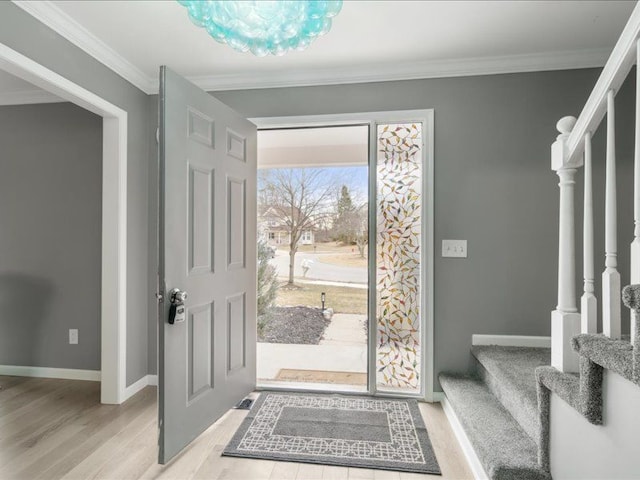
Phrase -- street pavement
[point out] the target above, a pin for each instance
(318, 270)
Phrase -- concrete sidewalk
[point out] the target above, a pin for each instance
(272, 357)
(343, 348)
(345, 329)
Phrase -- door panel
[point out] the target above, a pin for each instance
(236, 218)
(208, 249)
(200, 230)
(236, 324)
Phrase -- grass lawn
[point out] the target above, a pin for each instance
(341, 299)
(335, 253)
(345, 259)
(324, 247)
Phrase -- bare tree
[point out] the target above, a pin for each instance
(351, 222)
(362, 228)
(300, 198)
(354, 227)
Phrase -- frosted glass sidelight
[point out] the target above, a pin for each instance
(399, 249)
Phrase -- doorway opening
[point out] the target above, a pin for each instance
(399, 247)
(50, 212)
(113, 236)
(313, 274)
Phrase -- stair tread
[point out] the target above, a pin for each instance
(505, 450)
(513, 379)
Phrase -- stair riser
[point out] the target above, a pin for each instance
(502, 447)
(522, 412)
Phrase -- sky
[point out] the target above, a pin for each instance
(356, 178)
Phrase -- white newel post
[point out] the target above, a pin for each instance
(611, 319)
(635, 245)
(588, 303)
(565, 319)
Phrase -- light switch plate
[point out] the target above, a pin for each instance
(454, 248)
(73, 336)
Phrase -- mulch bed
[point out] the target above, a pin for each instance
(298, 325)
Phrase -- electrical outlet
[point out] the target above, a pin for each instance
(454, 248)
(73, 336)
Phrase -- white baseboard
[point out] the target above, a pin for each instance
(463, 440)
(49, 372)
(511, 341)
(135, 387)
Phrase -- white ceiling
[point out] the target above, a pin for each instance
(315, 137)
(369, 41)
(313, 147)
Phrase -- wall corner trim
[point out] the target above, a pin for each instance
(463, 67)
(437, 397)
(511, 341)
(135, 387)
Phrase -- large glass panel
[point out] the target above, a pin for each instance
(399, 247)
(313, 275)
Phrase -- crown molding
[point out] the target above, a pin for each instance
(52, 16)
(563, 60)
(28, 97)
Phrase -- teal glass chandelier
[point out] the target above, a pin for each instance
(264, 26)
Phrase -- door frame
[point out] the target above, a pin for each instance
(426, 116)
(113, 313)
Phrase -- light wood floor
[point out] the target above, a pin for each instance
(57, 429)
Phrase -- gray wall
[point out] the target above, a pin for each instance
(23, 33)
(493, 187)
(51, 214)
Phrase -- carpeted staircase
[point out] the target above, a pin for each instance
(503, 405)
(497, 406)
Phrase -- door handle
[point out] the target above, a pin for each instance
(177, 298)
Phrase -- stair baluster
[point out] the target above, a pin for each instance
(635, 245)
(611, 287)
(588, 303)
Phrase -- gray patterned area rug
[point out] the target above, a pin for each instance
(351, 431)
